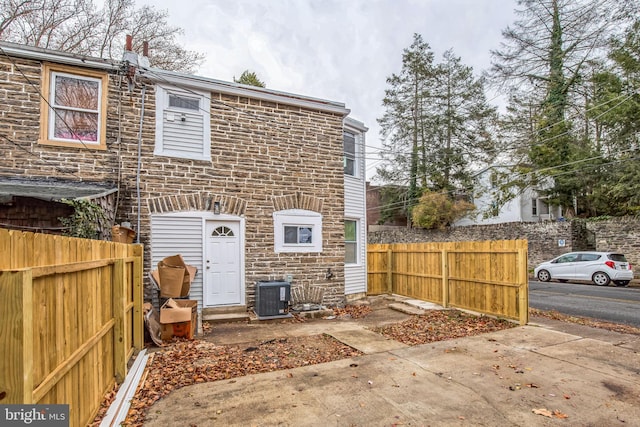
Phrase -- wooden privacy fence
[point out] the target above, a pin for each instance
(70, 319)
(488, 277)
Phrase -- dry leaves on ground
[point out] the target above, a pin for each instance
(439, 325)
(352, 311)
(183, 363)
(191, 362)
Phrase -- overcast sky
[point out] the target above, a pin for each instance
(338, 50)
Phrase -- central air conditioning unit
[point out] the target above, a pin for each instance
(273, 299)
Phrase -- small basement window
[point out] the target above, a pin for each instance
(297, 230)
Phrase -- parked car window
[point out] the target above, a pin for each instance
(589, 257)
(567, 258)
(617, 257)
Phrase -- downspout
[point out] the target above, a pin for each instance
(144, 90)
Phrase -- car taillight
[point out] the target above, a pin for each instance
(629, 266)
(610, 264)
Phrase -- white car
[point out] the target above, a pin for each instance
(598, 267)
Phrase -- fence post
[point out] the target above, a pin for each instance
(16, 336)
(138, 316)
(389, 271)
(119, 312)
(445, 278)
(523, 289)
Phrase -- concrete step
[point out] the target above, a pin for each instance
(225, 309)
(225, 317)
(406, 308)
(366, 341)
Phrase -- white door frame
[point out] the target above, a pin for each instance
(241, 261)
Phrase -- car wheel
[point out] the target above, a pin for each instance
(600, 278)
(622, 282)
(544, 276)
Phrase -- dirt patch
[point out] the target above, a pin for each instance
(191, 362)
(586, 321)
(439, 325)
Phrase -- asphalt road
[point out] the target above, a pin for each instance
(613, 304)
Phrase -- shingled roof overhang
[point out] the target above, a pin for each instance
(51, 190)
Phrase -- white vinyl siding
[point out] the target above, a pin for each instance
(355, 209)
(173, 234)
(183, 126)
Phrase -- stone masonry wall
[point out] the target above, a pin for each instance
(543, 237)
(616, 234)
(261, 153)
(20, 82)
(272, 151)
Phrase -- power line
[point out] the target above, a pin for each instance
(40, 158)
(58, 115)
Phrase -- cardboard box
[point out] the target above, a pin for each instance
(174, 277)
(122, 234)
(178, 318)
(180, 329)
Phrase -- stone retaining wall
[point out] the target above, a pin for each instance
(546, 239)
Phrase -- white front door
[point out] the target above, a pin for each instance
(222, 264)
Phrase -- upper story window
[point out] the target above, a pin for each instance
(349, 147)
(297, 230)
(182, 123)
(73, 107)
(534, 207)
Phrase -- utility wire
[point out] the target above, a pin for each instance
(58, 115)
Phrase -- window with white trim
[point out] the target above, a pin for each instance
(544, 207)
(73, 107)
(349, 156)
(350, 241)
(183, 123)
(297, 230)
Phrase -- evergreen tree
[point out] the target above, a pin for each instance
(437, 124)
(615, 109)
(249, 78)
(545, 55)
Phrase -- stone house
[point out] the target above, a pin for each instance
(247, 184)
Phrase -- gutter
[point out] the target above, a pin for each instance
(40, 54)
(234, 89)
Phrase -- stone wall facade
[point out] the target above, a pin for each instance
(619, 235)
(265, 155)
(546, 239)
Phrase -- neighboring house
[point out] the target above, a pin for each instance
(528, 206)
(374, 210)
(248, 184)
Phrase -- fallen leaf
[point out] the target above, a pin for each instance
(543, 412)
(559, 414)
(566, 396)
